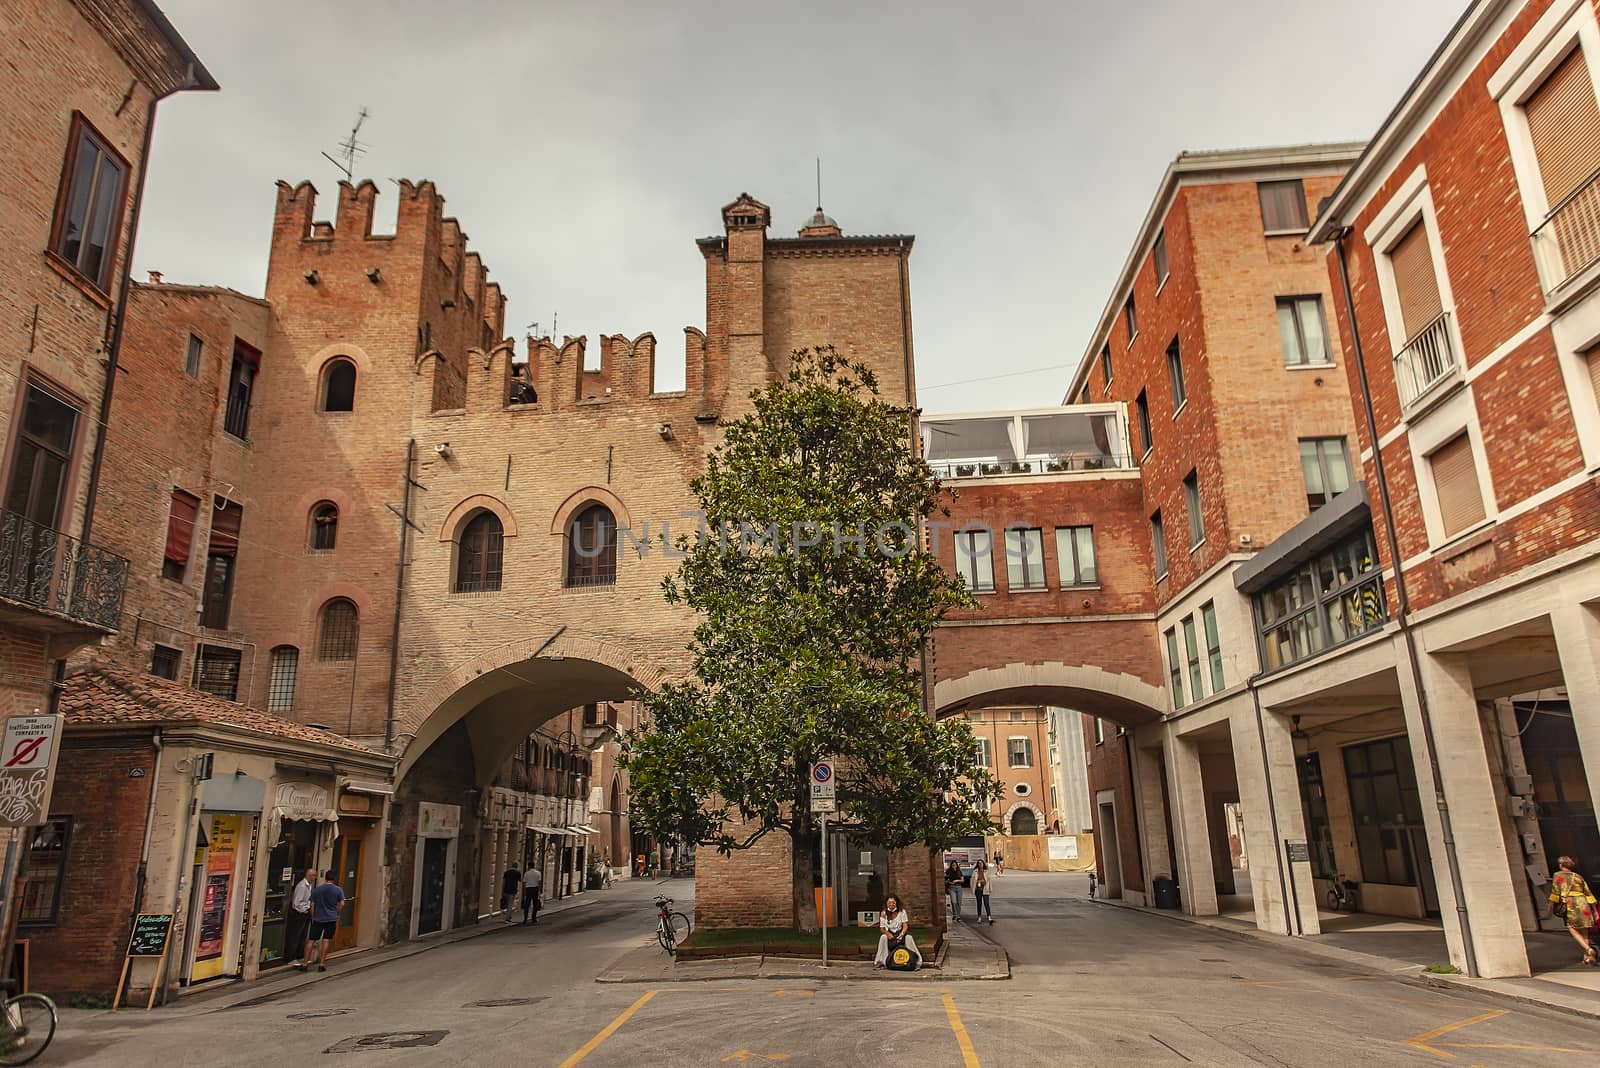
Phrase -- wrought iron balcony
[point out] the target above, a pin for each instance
(1568, 241)
(1426, 360)
(46, 570)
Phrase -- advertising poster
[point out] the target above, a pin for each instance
(216, 890)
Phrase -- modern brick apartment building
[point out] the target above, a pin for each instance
(83, 84)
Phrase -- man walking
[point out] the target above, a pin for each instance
(299, 917)
(509, 882)
(532, 883)
(327, 901)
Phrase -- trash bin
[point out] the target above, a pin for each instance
(1166, 891)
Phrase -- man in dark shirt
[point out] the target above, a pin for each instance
(327, 901)
(510, 882)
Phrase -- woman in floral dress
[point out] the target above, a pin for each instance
(1570, 894)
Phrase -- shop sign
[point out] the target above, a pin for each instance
(303, 801)
(438, 821)
(27, 769)
(355, 805)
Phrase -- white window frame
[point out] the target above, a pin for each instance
(1574, 334)
(985, 753)
(1568, 24)
(1412, 201)
(1444, 424)
(1027, 746)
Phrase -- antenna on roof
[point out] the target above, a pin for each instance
(819, 183)
(349, 150)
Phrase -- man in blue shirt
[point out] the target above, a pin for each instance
(327, 900)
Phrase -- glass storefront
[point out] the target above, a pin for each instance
(294, 852)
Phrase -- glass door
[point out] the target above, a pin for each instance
(347, 865)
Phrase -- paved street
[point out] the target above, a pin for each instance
(1092, 983)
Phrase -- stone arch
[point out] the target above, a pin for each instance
(318, 360)
(585, 496)
(478, 502)
(511, 688)
(1038, 814)
(1116, 696)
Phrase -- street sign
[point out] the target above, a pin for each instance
(1299, 852)
(27, 769)
(824, 804)
(822, 779)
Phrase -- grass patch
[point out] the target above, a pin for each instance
(790, 938)
(1442, 969)
(88, 1001)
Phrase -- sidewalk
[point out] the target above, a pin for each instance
(1403, 948)
(964, 955)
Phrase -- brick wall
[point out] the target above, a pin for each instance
(1108, 770)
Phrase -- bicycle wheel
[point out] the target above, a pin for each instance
(664, 935)
(27, 1024)
(680, 926)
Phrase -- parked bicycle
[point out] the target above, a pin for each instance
(27, 1023)
(671, 927)
(1342, 895)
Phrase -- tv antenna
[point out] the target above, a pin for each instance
(349, 150)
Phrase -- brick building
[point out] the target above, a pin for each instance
(85, 80)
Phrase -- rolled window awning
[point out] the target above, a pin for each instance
(583, 829)
(547, 830)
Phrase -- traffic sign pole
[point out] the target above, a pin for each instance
(825, 902)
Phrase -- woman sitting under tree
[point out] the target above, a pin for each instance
(896, 927)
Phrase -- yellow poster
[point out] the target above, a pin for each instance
(216, 890)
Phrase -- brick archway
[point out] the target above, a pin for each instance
(1116, 696)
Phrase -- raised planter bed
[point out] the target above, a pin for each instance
(844, 944)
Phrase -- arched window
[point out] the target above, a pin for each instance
(616, 794)
(1024, 821)
(478, 555)
(340, 629)
(324, 526)
(285, 667)
(339, 386)
(592, 547)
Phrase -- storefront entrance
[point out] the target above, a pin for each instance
(295, 851)
(223, 863)
(347, 866)
(438, 827)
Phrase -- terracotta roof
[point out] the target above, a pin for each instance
(98, 694)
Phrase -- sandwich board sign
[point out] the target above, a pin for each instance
(152, 932)
(28, 749)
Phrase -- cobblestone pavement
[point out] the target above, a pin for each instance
(1091, 984)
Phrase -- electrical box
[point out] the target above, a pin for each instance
(1522, 809)
(1520, 784)
(1530, 845)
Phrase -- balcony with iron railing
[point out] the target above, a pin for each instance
(70, 582)
(1567, 243)
(1425, 361)
(1044, 441)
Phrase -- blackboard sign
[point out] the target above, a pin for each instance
(150, 935)
(1299, 852)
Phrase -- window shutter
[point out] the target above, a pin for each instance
(225, 530)
(1455, 481)
(180, 526)
(1417, 286)
(1565, 125)
(1592, 358)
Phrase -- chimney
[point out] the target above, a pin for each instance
(155, 278)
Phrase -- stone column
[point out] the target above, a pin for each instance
(1578, 646)
(1187, 787)
(1487, 890)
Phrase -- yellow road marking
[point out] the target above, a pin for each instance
(1421, 1041)
(609, 1030)
(1511, 1045)
(745, 1055)
(969, 1056)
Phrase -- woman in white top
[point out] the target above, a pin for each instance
(896, 925)
(982, 886)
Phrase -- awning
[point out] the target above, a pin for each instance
(378, 788)
(584, 828)
(546, 830)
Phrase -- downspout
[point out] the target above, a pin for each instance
(399, 598)
(149, 826)
(1402, 609)
(114, 346)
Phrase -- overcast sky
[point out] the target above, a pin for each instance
(584, 146)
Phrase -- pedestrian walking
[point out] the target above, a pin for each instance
(510, 883)
(981, 885)
(953, 881)
(1573, 901)
(999, 862)
(895, 931)
(532, 885)
(299, 916)
(327, 901)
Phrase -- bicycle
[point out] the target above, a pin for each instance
(27, 1024)
(1343, 894)
(671, 927)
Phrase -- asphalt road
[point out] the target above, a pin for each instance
(1092, 984)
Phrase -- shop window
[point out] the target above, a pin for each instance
(285, 668)
(216, 671)
(975, 560)
(592, 547)
(46, 863)
(181, 517)
(1386, 809)
(340, 630)
(479, 555)
(324, 527)
(1314, 802)
(339, 386)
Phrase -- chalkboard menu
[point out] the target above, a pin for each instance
(150, 935)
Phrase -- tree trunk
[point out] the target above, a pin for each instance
(802, 870)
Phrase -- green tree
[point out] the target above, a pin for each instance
(810, 644)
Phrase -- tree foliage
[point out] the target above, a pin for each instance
(809, 643)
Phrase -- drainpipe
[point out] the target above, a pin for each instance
(1291, 917)
(114, 346)
(149, 825)
(1402, 608)
(399, 597)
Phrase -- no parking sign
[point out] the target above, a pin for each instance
(822, 787)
